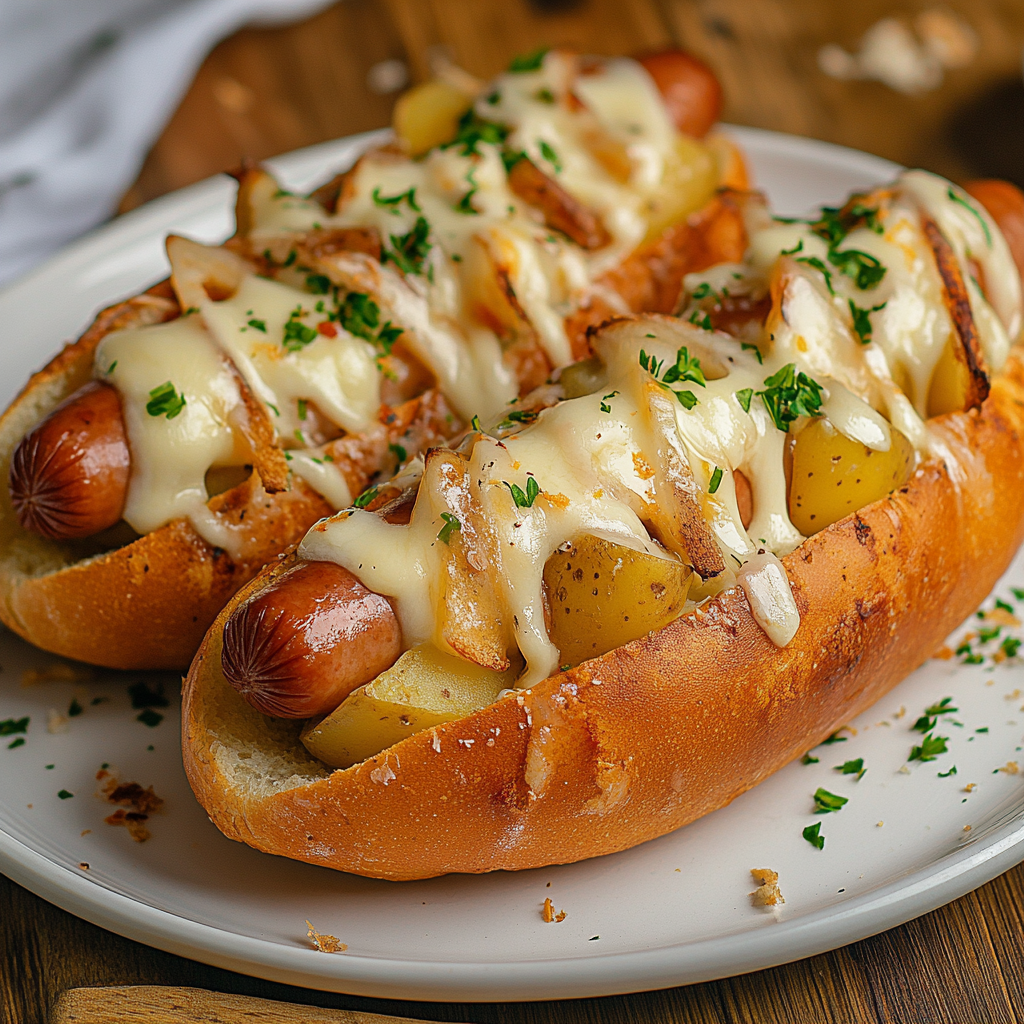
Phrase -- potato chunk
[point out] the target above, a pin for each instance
(834, 476)
(603, 594)
(428, 115)
(425, 687)
(690, 179)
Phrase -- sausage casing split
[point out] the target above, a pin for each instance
(299, 647)
(692, 93)
(69, 476)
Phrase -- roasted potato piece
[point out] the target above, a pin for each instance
(428, 115)
(950, 384)
(602, 595)
(425, 687)
(689, 182)
(834, 476)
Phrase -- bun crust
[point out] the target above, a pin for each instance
(562, 772)
(145, 605)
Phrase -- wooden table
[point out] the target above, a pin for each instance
(267, 91)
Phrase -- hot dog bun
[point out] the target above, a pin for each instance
(561, 772)
(161, 590)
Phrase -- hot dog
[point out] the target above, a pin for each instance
(560, 727)
(336, 337)
(69, 476)
(690, 88)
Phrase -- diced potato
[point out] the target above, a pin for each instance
(428, 115)
(603, 594)
(950, 383)
(690, 181)
(834, 476)
(425, 687)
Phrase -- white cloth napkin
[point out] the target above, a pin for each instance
(86, 86)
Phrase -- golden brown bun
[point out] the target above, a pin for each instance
(562, 772)
(145, 605)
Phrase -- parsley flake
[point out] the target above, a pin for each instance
(929, 750)
(409, 195)
(716, 480)
(74, 709)
(65, 794)
(865, 270)
(852, 768)
(257, 325)
(451, 525)
(18, 741)
(813, 261)
(969, 206)
(409, 251)
(747, 347)
(524, 500)
(11, 726)
(528, 61)
(605, 399)
(862, 320)
(474, 129)
(812, 833)
(149, 717)
(366, 497)
(807, 759)
(744, 396)
(296, 334)
(826, 802)
(165, 401)
(398, 451)
(550, 155)
(142, 696)
(788, 395)
(946, 775)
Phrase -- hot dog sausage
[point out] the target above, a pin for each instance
(689, 88)
(1006, 204)
(307, 640)
(69, 476)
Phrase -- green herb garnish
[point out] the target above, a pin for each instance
(929, 750)
(143, 696)
(550, 155)
(473, 130)
(522, 416)
(257, 325)
(409, 195)
(716, 480)
(852, 768)
(296, 334)
(865, 270)
(862, 320)
(946, 775)
(410, 250)
(813, 835)
(398, 451)
(366, 497)
(149, 717)
(744, 396)
(605, 399)
(788, 395)
(65, 794)
(981, 220)
(451, 525)
(74, 708)
(165, 401)
(528, 61)
(1010, 646)
(11, 726)
(813, 261)
(524, 500)
(318, 284)
(807, 759)
(834, 738)
(826, 802)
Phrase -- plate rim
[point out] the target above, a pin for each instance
(591, 975)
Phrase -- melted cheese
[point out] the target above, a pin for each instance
(338, 373)
(586, 454)
(170, 455)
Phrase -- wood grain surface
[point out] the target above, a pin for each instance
(268, 91)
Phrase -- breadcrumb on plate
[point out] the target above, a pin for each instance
(548, 912)
(767, 892)
(324, 943)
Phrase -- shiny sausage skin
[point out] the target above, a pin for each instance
(1006, 204)
(69, 476)
(301, 645)
(689, 88)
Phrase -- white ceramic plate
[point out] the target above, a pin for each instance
(673, 911)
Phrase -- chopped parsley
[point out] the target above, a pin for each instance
(544, 96)
(359, 315)
(366, 497)
(702, 320)
(813, 835)
(18, 741)
(257, 325)
(74, 709)
(149, 717)
(142, 696)
(165, 401)
(605, 399)
(318, 284)
(1010, 646)
(799, 247)
(807, 759)
(865, 270)
(528, 61)
(685, 368)
(703, 290)
(788, 395)
(946, 775)
(834, 738)
(474, 129)
(394, 201)
(398, 451)
(110, 368)
(475, 424)
(813, 261)
(524, 500)
(465, 204)
(410, 250)
(65, 794)
(969, 206)
(930, 718)
(523, 416)
(716, 480)
(862, 320)
(1017, 593)
(550, 155)
(744, 396)
(929, 750)
(451, 525)
(826, 802)
(747, 347)
(11, 726)
(296, 334)
(852, 768)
